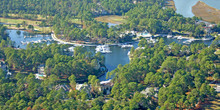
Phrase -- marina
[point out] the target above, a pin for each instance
(114, 54)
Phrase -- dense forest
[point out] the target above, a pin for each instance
(179, 71)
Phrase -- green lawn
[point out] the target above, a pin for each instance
(39, 17)
(77, 21)
(112, 19)
(16, 21)
(217, 52)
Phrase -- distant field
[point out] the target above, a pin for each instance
(206, 12)
(39, 17)
(16, 21)
(112, 19)
(10, 23)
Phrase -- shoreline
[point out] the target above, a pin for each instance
(78, 44)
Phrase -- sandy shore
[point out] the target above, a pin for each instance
(207, 13)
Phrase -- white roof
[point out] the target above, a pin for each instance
(105, 82)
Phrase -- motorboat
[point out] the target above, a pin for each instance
(151, 40)
(129, 53)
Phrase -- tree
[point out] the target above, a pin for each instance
(31, 27)
(18, 25)
(24, 24)
(72, 80)
(95, 84)
(216, 76)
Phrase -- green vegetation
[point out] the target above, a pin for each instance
(159, 76)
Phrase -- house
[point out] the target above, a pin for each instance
(40, 69)
(63, 86)
(106, 86)
(41, 72)
(40, 76)
(151, 91)
(144, 34)
(3, 65)
(84, 87)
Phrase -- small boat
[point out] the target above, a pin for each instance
(129, 53)
(188, 41)
(39, 41)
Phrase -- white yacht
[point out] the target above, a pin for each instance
(179, 37)
(126, 46)
(169, 36)
(103, 49)
(207, 38)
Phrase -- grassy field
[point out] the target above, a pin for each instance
(39, 17)
(206, 12)
(16, 21)
(77, 21)
(112, 19)
(10, 23)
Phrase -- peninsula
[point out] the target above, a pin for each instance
(206, 12)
